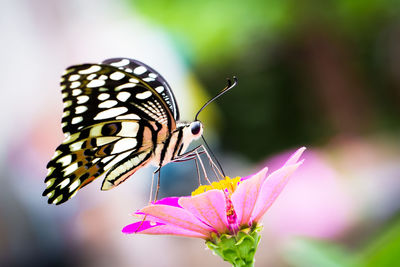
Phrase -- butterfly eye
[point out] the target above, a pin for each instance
(195, 127)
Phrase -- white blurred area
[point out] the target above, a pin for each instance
(339, 187)
(39, 40)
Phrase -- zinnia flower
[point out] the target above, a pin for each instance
(226, 213)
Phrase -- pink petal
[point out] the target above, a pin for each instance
(271, 189)
(295, 156)
(208, 207)
(147, 227)
(174, 216)
(139, 227)
(245, 196)
(170, 201)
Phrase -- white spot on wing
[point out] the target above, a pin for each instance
(106, 140)
(74, 77)
(95, 83)
(143, 95)
(67, 103)
(107, 159)
(58, 199)
(124, 144)
(77, 120)
(76, 92)
(74, 185)
(123, 96)
(125, 85)
(91, 76)
(76, 146)
(56, 154)
(96, 131)
(159, 89)
(51, 181)
(66, 113)
(134, 80)
(66, 160)
(75, 84)
(108, 104)
(139, 70)
(92, 69)
(64, 183)
(128, 117)
(129, 129)
(121, 63)
(49, 195)
(103, 96)
(116, 160)
(71, 138)
(113, 112)
(80, 109)
(116, 76)
(82, 99)
(70, 169)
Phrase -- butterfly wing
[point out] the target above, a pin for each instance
(113, 116)
(95, 93)
(149, 76)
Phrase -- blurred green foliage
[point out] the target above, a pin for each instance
(308, 70)
(215, 30)
(382, 249)
(309, 252)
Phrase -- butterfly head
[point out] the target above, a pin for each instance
(191, 130)
(196, 129)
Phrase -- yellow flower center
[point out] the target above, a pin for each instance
(227, 184)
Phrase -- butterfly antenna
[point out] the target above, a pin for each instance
(223, 91)
(228, 87)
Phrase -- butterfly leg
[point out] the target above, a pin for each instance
(157, 171)
(200, 150)
(198, 170)
(158, 183)
(195, 154)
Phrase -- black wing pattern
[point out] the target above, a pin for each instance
(114, 113)
(152, 77)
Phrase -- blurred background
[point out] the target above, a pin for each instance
(321, 74)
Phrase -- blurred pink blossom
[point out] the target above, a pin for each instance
(315, 203)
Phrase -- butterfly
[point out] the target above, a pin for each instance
(119, 116)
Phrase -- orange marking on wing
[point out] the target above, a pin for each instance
(86, 182)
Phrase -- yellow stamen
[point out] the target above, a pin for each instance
(228, 184)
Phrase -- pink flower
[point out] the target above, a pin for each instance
(212, 212)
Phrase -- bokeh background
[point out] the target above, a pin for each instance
(321, 74)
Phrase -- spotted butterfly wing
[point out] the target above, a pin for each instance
(114, 115)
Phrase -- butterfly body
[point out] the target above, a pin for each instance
(119, 116)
